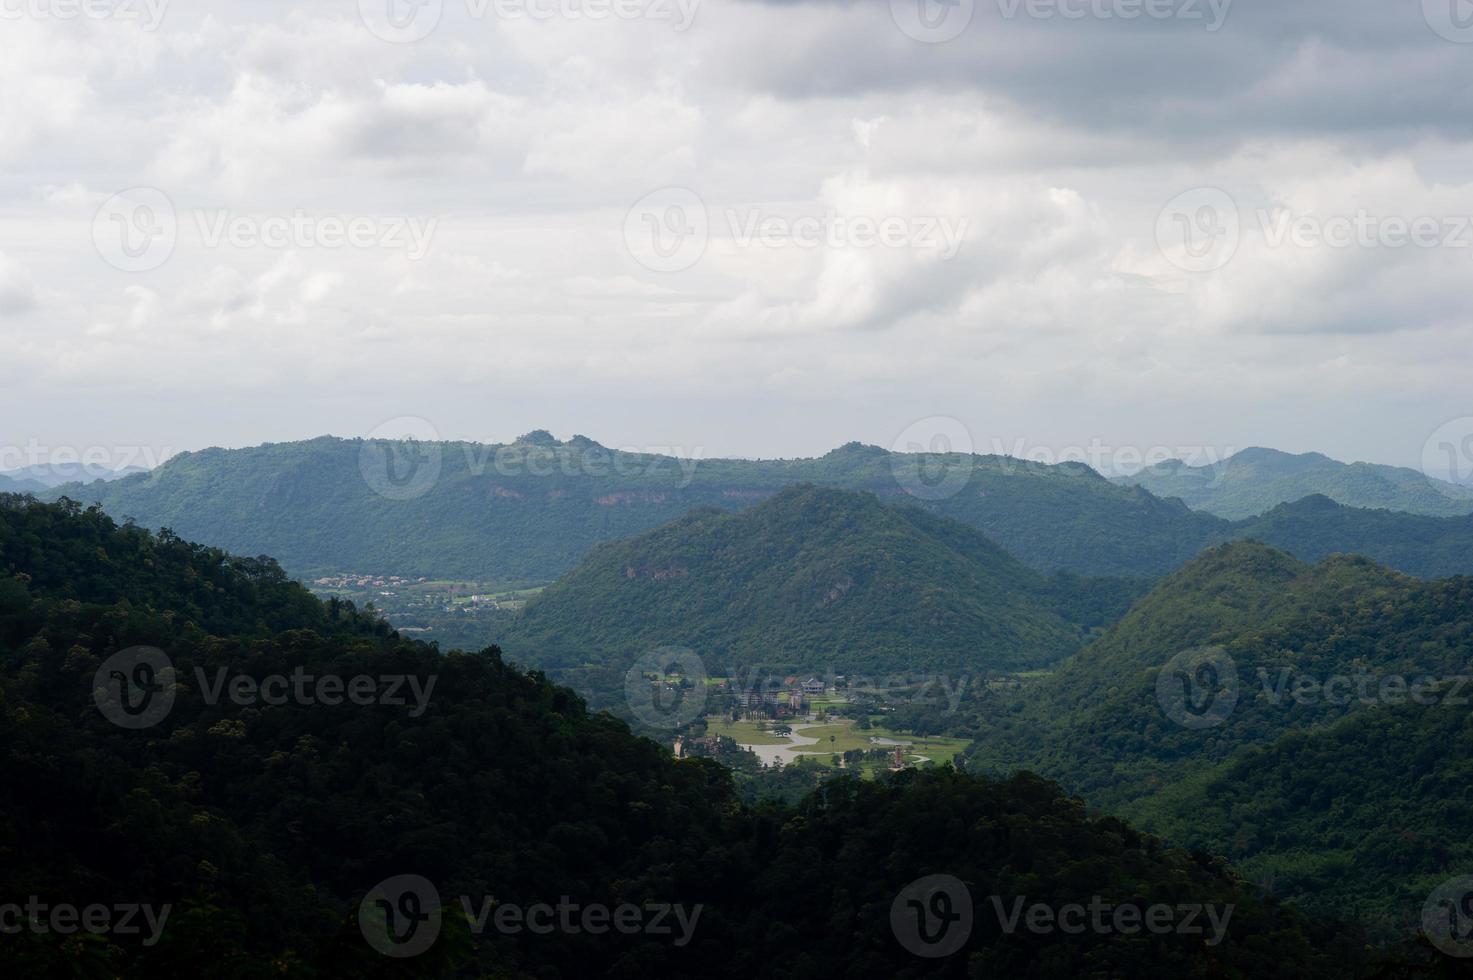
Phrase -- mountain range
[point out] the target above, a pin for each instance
(1253, 481)
(530, 511)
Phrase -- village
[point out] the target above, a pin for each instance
(806, 721)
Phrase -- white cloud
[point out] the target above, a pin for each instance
(1055, 145)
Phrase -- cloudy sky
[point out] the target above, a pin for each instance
(740, 228)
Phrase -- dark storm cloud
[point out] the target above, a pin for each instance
(1366, 69)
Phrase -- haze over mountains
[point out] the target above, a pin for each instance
(529, 511)
(48, 475)
(1253, 481)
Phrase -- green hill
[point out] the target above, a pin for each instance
(1254, 481)
(1316, 527)
(813, 578)
(1262, 772)
(258, 831)
(528, 512)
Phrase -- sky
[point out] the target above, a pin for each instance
(733, 227)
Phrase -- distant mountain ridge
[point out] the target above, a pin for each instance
(17, 484)
(57, 474)
(1254, 481)
(528, 512)
(813, 578)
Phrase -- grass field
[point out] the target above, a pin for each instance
(745, 732)
(846, 737)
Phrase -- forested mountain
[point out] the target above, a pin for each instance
(20, 484)
(265, 828)
(1253, 481)
(1361, 819)
(1316, 527)
(530, 511)
(1262, 654)
(816, 579)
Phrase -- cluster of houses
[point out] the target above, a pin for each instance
(789, 697)
(691, 746)
(353, 580)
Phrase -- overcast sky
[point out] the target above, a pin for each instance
(740, 228)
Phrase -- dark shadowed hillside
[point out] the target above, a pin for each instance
(270, 837)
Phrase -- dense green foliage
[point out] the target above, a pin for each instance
(1362, 819)
(1254, 481)
(266, 825)
(1316, 527)
(813, 579)
(1098, 726)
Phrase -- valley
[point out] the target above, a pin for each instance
(825, 634)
